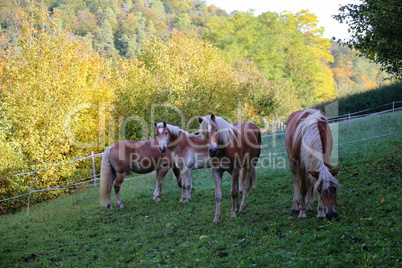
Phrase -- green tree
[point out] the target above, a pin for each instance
(104, 41)
(375, 26)
(284, 46)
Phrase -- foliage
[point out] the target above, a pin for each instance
(52, 90)
(375, 25)
(266, 99)
(116, 28)
(370, 99)
(354, 74)
(74, 231)
(286, 46)
(178, 80)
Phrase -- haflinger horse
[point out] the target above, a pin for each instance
(189, 152)
(138, 156)
(308, 141)
(234, 148)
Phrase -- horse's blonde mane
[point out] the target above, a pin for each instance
(174, 130)
(224, 129)
(311, 150)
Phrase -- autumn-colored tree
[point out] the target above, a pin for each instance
(178, 79)
(53, 97)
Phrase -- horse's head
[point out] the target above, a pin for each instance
(327, 186)
(209, 128)
(162, 135)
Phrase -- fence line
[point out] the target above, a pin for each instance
(95, 178)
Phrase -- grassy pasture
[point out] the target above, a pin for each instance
(74, 231)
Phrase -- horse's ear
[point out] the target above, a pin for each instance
(213, 117)
(315, 174)
(155, 124)
(335, 172)
(200, 119)
(164, 123)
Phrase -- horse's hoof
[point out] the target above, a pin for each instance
(302, 218)
(157, 199)
(109, 207)
(118, 205)
(320, 218)
(242, 210)
(186, 200)
(215, 221)
(294, 212)
(233, 215)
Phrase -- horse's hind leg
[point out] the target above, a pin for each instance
(303, 193)
(185, 175)
(295, 201)
(235, 193)
(249, 174)
(158, 188)
(117, 185)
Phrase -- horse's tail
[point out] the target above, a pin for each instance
(253, 178)
(106, 178)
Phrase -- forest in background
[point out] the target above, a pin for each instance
(76, 76)
(275, 42)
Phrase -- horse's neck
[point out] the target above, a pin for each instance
(174, 141)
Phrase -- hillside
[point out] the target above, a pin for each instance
(118, 28)
(77, 76)
(75, 231)
(115, 28)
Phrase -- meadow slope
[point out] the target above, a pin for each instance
(75, 231)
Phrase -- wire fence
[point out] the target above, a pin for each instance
(92, 180)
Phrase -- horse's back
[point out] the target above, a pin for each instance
(253, 134)
(139, 156)
(293, 139)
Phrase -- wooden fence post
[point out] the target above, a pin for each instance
(30, 190)
(93, 168)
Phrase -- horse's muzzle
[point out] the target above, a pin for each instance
(331, 214)
(162, 149)
(213, 151)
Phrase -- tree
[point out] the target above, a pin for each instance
(52, 95)
(376, 26)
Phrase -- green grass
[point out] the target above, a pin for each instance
(74, 231)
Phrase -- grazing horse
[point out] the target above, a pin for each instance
(138, 156)
(234, 148)
(308, 142)
(189, 152)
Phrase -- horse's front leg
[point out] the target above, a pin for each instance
(235, 192)
(217, 174)
(160, 175)
(310, 197)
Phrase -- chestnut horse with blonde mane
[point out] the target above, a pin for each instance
(308, 140)
(189, 152)
(137, 156)
(234, 148)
